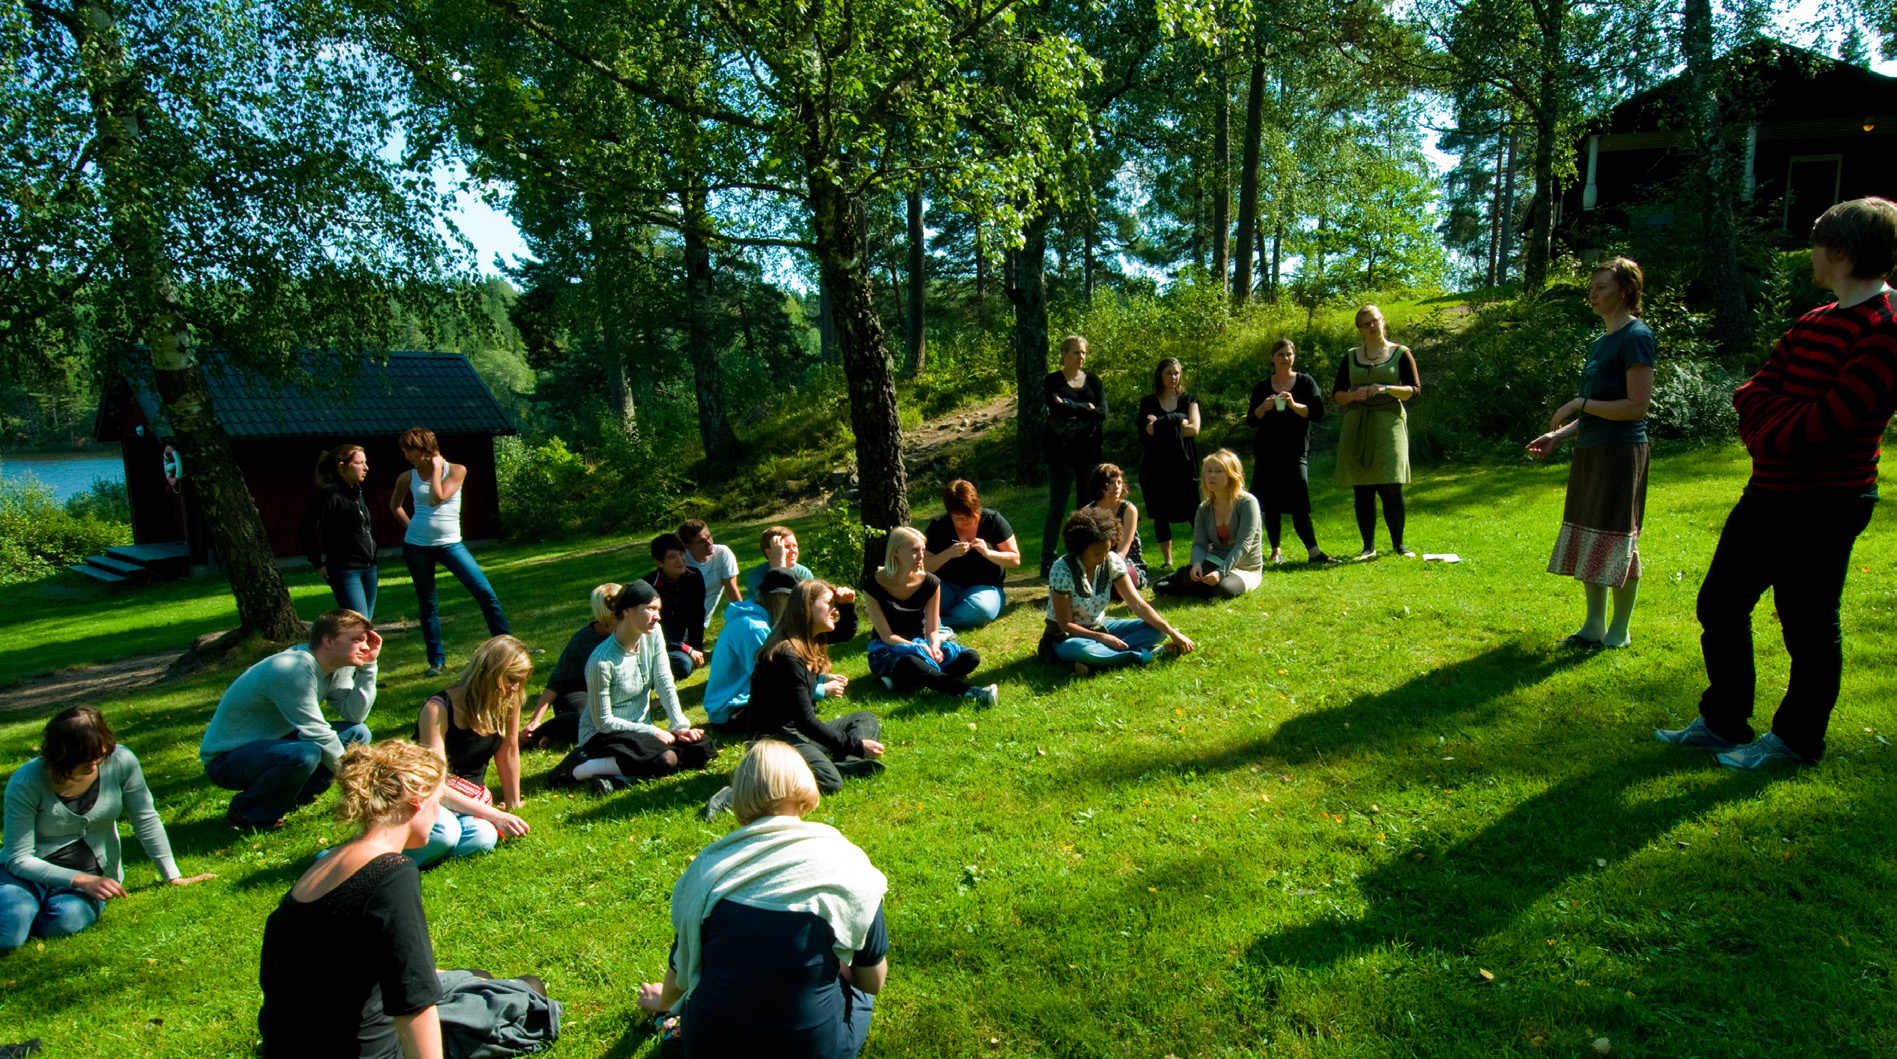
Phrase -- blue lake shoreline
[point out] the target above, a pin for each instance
(67, 473)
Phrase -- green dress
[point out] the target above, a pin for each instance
(1373, 446)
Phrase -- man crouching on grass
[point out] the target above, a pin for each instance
(268, 738)
(1811, 419)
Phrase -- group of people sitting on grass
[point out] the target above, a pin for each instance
(781, 943)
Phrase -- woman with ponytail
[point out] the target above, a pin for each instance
(335, 533)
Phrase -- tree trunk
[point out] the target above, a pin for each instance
(708, 376)
(1248, 182)
(1725, 283)
(609, 306)
(916, 333)
(981, 272)
(1505, 256)
(1547, 124)
(1222, 182)
(826, 325)
(1087, 243)
(1495, 208)
(843, 258)
(237, 530)
(1277, 258)
(1029, 293)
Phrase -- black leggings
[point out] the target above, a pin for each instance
(1392, 494)
(912, 673)
(1300, 521)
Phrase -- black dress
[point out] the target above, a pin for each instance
(1169, 464)
(1281, 448)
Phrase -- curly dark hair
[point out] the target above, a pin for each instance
(1087, 527)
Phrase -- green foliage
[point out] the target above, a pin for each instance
(38, 537)
(109, 500)
(549, 491)
(834, 548)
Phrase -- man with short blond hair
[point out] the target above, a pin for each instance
(1813, 419)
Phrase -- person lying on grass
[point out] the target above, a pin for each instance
(790, 665)
(62, 830)
(781, 942)
(268, 739)
(911, 648)
(566, 685)
(618, 739)
(1081, 586)
(747, 625)
(474, 721)
(347, 967)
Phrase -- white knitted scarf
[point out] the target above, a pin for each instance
(782, 864)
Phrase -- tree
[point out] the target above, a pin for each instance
(1732, 322)
(224, 189)
(799, 112)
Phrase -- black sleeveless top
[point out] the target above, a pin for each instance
(468, 751)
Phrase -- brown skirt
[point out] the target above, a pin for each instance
(1600, 525)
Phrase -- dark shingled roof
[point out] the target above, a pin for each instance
(437, 390)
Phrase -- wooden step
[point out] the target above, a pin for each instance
(99, 574)
(117, 566)
(148, 555)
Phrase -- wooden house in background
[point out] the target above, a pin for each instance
(277, 433)
(1815, 132)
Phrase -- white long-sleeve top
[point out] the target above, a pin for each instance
(621, 683)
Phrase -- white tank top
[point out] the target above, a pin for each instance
(432, 525)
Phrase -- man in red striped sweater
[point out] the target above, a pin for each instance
(1812, 419)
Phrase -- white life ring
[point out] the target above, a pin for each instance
(174, 468)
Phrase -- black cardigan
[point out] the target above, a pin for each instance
(1074, 432)
(335, 530)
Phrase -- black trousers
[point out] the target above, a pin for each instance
(1180, 583)
(1393, 514)
(561, 729)
(1062, 478)
(859, 725)
(911, 673)
(1799, 546)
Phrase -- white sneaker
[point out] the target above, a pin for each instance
(986, 697)
(888, 683)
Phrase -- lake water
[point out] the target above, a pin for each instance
(68, 473)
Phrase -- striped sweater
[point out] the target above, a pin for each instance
(1813, 416)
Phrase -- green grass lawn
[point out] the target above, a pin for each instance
(1376, 814)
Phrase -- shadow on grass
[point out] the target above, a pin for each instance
(1450, 898)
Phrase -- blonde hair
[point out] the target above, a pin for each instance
(602, 601)
(771, 773)
(1227, 461)
(1071, 343)
(900, 533)
(486, 699)
(379, 781)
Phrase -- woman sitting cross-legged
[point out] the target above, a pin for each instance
(618, 739)
(566, 685)
(790, 665)
(1108, 489)
(747, 625)
(474, 721)
(1079, 589)
(971, 548)
(911, 649)
(347, 967)
(780, 943)
(1228, 558)
(62, 830)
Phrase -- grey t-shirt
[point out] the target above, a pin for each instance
(1605, 379)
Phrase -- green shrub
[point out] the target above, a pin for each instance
(107, 501)
(38, 537)
(1692, 400)
(547, 490)
(835, 547)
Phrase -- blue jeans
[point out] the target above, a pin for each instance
(275, 774)
(969, 606)
(42, 911)
(421, 560)
(1062, 478)
(355, 589)
(454, 836)
(680, 662)
(1139, 637)
(30, 908)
